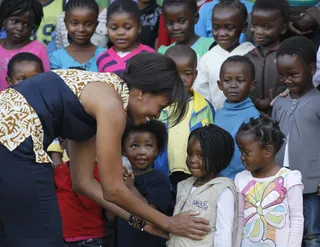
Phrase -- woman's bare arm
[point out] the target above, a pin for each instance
(103, 103)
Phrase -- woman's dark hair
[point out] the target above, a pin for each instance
(236, 4)
(154, 127)
(265, 131)
(217, 148)
(88, 4)
(240, 59)
(10, 8)
(299, 46)
(274, 5)
(157, 74)
(21, 57)
(189, 4)
(124, 6)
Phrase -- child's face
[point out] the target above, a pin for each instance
(227, 25)
(267, 27)
(236, 81)
(295, 74)
(18, 28)
(81, 24)
(253, 156)
(141, 150)
(179, 22)
(23, 70)
(187, 69)
(194, 158)
(123, 30)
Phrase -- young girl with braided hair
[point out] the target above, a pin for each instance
(210, 150)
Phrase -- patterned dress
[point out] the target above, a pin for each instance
(32, 114)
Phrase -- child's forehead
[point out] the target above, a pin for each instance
(236, 66)
(141, 135)
(177, 9)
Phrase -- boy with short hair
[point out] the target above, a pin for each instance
(180, 16)
(23, 66)
(269, 23)
(200, 112)
(299, 118)
(236, 81)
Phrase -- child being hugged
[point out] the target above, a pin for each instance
(268, 25)
(180, 17)
(81, 19)
(200, 112)
(236, 82)
(209, 151)
(270, 197)
(124, 26)
(20, 19)
(229, 20)
(141, 145)
(23, 66)
(299, 116)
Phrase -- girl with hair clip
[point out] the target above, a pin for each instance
(270, 197)
(20, 19)
(90, 109)
(81, 19)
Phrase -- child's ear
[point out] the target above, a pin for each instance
(140, 28)
(196, 73)
(313, 68)
(196, 18)
(220, 85)
(9, 81)
(284, 28)
(245, 27)
(253, 85)
(269, 151)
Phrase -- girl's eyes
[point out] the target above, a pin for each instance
(230, 27)
(182, 21)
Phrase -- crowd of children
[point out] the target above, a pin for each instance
(246, 156)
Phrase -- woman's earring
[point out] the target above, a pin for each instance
(140, 98)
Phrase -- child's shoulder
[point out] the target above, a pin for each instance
(162, 49)
(146, 48)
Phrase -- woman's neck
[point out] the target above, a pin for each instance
(269, 169)
(9, 45)
(190, 42)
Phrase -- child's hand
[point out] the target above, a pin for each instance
(129, 179)
(318, 191)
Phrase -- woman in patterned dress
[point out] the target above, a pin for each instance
(90, 109)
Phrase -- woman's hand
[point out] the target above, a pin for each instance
(155, 230)
(304, 25)
(187, 225)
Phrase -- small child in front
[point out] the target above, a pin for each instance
(236, 82)
(299, 116)
(141, 145)
(209, 151)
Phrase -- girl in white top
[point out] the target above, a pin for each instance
(229, 20)
(209, 151)
(270, 197)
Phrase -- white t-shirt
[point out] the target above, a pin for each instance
(270, 209)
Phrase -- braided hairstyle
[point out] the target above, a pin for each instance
(10, 8)
(265, 131)
(232, 4)
(154, 127)
(89, 4)
(189, 4)
(217, 147)
(125, 6)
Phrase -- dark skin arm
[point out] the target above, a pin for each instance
(106, 107)
(304, 25)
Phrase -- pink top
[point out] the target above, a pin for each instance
(110, 61)
(34, 47)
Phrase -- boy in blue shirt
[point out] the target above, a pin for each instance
(236, 81)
